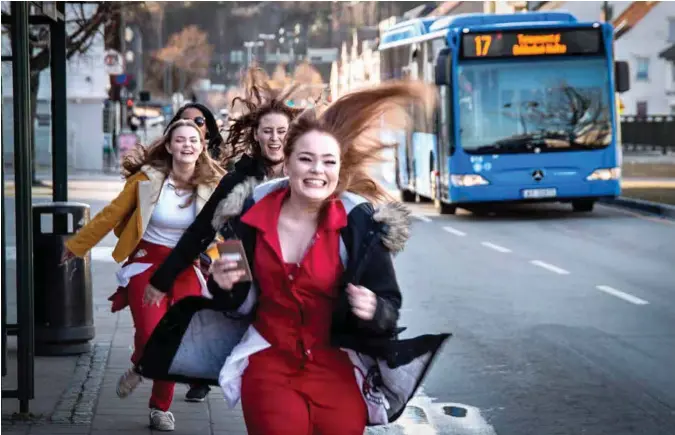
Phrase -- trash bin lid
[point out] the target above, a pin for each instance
(66, 204)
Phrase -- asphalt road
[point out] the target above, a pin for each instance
(563, 323)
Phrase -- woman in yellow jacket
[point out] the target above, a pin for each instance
(167, 185)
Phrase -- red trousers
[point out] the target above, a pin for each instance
(147, 317)
(284, 395)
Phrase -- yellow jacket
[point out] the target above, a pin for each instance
(128, 214)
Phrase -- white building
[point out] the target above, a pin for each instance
(87, 84)
(652, 78)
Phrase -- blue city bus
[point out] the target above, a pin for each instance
(527, 109)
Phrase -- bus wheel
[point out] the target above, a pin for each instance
(407, 196)
(583, 205)
(444, 208)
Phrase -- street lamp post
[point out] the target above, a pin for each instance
(249, 46)
(267, 37)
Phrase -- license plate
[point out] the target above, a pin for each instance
(539, 193)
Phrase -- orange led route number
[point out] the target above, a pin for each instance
(482, 44)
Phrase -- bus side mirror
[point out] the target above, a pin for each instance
(443, 71)
(621, 76)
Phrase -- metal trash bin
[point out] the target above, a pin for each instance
(64, 318)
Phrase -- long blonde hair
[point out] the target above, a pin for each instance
(156, 155)
(354, 120)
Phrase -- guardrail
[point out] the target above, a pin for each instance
(650, 133)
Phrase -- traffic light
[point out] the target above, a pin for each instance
(130, 103)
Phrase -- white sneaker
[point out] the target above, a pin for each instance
(162, 421)
(128, 383)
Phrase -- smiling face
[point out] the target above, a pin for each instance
(313, 167)
(185, 145)
(270, 135)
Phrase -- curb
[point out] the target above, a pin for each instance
(657, 208)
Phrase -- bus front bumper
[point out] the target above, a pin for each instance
(534, 192)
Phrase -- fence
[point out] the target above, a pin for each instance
(651, 133)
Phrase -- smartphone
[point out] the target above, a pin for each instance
(233, 250)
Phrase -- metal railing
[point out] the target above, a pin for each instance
(650, 133)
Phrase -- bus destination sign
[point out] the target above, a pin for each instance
(525, 43)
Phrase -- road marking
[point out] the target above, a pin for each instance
(422, 218)
(622, 295)
(425, 416)
(99, 253)
(550, 267)
(454, 231)
(496, 247)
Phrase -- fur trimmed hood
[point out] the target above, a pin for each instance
(394, 216)
(233, 204)
(396, 220)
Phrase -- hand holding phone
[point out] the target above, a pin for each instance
(232, 266)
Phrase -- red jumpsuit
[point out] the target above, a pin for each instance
(147, 317)
(301, 385)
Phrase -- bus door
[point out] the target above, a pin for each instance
(444, 125)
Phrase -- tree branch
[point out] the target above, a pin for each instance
(79, 39)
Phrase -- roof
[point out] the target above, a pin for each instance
(429, 27)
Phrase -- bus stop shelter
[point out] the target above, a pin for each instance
(22, 16)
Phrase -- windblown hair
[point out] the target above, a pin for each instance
(356, 122)
(260, 100)
(158, 157)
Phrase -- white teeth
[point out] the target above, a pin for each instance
(315, 183)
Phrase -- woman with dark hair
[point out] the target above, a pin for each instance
(202, 116)
(255, 143)
(317, 351)
(260, 131)
(167, 184)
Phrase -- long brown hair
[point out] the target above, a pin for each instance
(354, 121)
(158, 157)
(260, 100)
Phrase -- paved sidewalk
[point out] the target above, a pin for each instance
(76, 395)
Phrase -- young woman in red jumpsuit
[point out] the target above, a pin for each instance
(167, 185)
(303, 383)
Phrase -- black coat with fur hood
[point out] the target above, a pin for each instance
(369, 240)
(196, 336)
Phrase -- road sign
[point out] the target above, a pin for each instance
(121, 79)
(113, 62)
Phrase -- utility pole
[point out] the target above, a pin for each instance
(607, 11)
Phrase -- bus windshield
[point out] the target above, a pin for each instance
(534, 106)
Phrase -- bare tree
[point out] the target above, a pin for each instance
(186, 57)
(83, 25)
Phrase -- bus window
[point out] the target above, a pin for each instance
(560, 103)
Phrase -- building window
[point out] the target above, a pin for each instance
(641, 109)
(672, 109)
(671, 29)
(642, 68)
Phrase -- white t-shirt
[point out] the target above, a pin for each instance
(169, 220)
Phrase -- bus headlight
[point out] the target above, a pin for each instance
(605, 174)
(468, 180)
